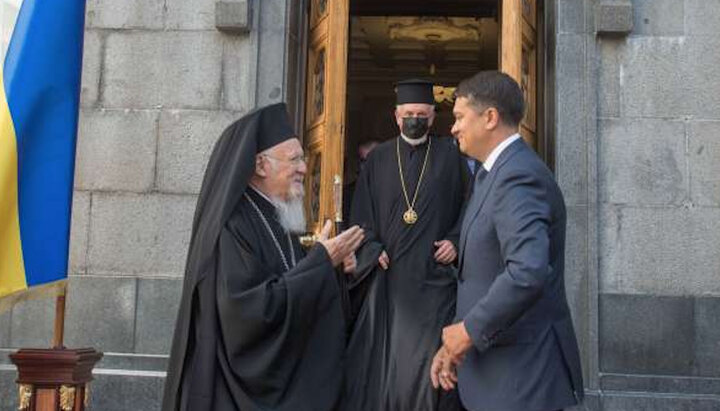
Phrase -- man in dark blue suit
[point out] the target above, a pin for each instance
(512, 346)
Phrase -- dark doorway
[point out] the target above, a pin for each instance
(440, 41)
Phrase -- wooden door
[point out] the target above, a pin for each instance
(324, 130)
(518, 57)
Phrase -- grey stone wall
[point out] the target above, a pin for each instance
(637, 149)
(160, 83)
(572, 46)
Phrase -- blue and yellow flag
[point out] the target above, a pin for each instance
(39, 99)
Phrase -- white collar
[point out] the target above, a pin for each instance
(412, 142)
(490, 161)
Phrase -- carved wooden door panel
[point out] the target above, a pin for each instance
(326, 83)
(518, 57)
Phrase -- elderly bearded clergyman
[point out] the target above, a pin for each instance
(261, 323)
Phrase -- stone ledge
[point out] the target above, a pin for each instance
(233, 16)
(614, 18)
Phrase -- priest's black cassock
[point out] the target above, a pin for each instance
(400, 312)
(252, 334)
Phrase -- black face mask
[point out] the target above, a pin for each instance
(415, 127)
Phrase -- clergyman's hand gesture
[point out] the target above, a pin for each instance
(343, 245)
(384, 260)
(445, 253)
(350, 264)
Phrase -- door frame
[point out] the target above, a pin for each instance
(297, 33)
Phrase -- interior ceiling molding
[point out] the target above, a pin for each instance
(434, 29)
(412, 42)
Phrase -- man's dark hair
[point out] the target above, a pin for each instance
(494, 89)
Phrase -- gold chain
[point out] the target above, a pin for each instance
(410, 215)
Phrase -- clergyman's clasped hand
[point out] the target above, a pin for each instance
(342, 246)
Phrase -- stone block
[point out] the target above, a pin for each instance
(659, 384)
(609, 77)
(115, 391)
(91, 68)
(126, 14)
(571, 16)
(271, 29)
(238, 86)
(661, 91)
(163, 69)
(659, 18)
(649, 402)
(614, 17)
(32, 323)
(576, 274)
(576, 257)
(704, 150)
(702, 82)
(79, 232)
(186, 142)
(101, 313)
(8, 389)
(190, 15)
(646, 334)
(134, 234)
(701, 17)
(5, 330)
(234, 16)
(642, 162)
(158, 302)
(571, 158)
(4, 356)
(659, 251)
(116, 150)
(707, 339)
(134, 362)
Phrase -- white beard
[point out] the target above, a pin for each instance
(292, 212)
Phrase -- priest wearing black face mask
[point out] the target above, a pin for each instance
(408, 199)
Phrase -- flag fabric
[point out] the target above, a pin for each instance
(39, 100)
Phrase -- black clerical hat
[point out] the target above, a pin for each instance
(274, 125)
(414, 91)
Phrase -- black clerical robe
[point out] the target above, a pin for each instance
(400, 312)
(260, 336)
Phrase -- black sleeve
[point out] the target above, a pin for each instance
(254, 304)
(364, 214)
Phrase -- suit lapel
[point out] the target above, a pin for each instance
(480, 194)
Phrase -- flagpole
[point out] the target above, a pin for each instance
(59, 333)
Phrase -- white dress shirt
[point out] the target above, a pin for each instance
(490, 161)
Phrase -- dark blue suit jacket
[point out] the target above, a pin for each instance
(511, 291)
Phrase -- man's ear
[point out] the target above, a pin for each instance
(260, 166)
(493, 118)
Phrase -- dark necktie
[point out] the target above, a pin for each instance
(480, 175)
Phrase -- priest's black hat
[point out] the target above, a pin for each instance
(274, 126)
(414, 91)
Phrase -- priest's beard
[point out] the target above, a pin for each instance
(291, 212)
